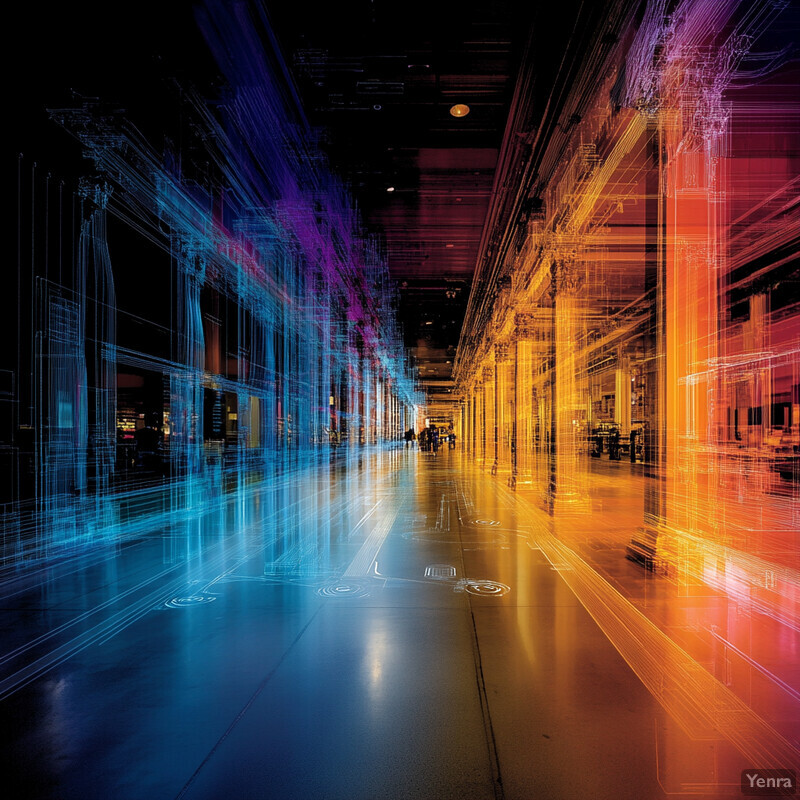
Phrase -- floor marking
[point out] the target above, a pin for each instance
(366, 517)
(485, 588)
(440, 571)
(191, 600)
(443, 517)
(344, 588)
(361, 565)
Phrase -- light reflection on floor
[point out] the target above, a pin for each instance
(405, 626)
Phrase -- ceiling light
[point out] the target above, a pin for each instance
(459, 110)
(390, 188)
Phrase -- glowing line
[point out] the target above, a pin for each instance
(362, 563)
(790, 690)
(693, 697)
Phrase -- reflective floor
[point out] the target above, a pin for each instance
(401, 626)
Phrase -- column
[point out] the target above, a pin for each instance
(622, 396)
(99, 327)
(524, 413)
(473, 431)
(186, 400)
(500, 362)
(487, 421)
(566, 490)
(655, 344)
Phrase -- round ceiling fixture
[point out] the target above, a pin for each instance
(459, 110)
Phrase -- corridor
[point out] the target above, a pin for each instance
(395, 624)
(401, 400)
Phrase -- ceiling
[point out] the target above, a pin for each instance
(376, 77)
(380, 77)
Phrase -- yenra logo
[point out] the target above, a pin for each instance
(769, 782)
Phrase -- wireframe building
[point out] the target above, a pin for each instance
(403, 400)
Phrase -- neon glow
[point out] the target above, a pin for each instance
(210, 497)
(648, 315)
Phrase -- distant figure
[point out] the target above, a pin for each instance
(434, 436)
(452, 440)
(409, 437)
(633, 445)
(423, 440)
(613, 446)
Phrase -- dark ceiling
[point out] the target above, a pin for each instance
(380, 78)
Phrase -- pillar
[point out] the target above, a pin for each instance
(622, 396)
(500, 362)
(186, 395)
(488, 421)
(566, 490)
(524, 413)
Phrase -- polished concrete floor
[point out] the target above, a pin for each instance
(399, 626)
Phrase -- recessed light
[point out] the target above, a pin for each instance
(459, 110)
(390, 188)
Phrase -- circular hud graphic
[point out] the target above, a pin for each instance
(487, 588)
